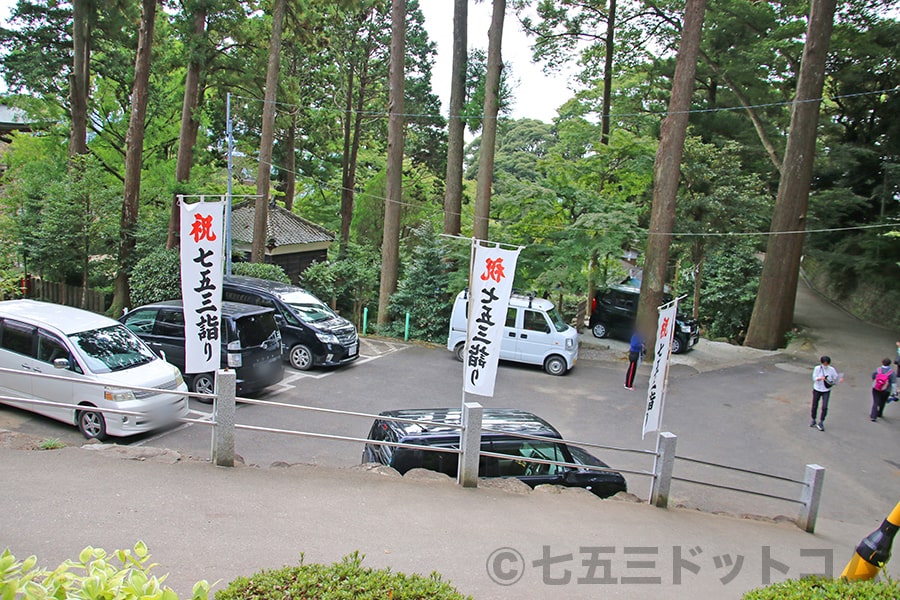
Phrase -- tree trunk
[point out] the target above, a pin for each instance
(667, 168)
(267, 139)
(78, 80)
(489, 123)
(346, 186)
(773, 311)
(187, 137)
(390, 245)
(456, 126)
(607, 74)
(134, 144)
(290, 163)
(352, 134)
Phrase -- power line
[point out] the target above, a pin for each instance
(435, 211)
(382, 114)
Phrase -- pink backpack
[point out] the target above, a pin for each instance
(882, 380)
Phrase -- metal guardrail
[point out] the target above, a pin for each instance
(223, 427)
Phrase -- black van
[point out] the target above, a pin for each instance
(439, 427)
(614, 312)
(312, 334)
(251, 342)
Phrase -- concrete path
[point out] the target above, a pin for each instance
(203, 522)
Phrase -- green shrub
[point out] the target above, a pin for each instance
(423, 292)
(260, 270)
(822, 588)
(156, 277)
(122, 575)
(344, 579)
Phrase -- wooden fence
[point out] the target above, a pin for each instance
(70, 295)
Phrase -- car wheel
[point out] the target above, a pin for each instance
(301, 357)
(460, 352)
(91, 424)
(599, 330)
(678, 345)
(555, 365)
(204, 383)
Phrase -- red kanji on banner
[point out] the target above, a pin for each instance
(202, 228)
(493, 270)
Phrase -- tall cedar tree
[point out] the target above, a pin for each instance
(773, 311)
(190, 125)
(267, 139)
(489, 124)
(134, 146)
(667, 168)
(456, 127)
(390, 244)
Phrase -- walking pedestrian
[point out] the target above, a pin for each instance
(635, 351)
(883, 379)
(824, 378)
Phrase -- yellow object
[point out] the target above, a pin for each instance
(874, 550)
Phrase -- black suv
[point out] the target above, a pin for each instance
(312, 333)
(435, 429)
(251, 342)
(614, 312)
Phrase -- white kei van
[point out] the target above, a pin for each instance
(82, 350)
(535, 333)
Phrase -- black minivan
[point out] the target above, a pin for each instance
(251, 342)
(312, 334)
(614, 313)
(439, 427)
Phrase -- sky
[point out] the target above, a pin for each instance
(536, 96)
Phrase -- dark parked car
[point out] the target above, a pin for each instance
(614, 312)
(251, 342)
(505, 421)
(312, 333)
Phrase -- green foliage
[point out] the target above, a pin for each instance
(349, 282)
(260, 270)
(345, 579)
(156, 277)
(424, 291)
(822, 588)
(730, 278)
(51, 444)
(122, 575)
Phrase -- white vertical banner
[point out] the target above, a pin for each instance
(490, 285)
(201, 283)
(656, 392)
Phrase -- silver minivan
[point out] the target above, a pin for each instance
(95, 360)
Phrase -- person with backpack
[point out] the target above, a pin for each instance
(883, 379)
(824, 378)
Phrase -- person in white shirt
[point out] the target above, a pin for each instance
(824, 377)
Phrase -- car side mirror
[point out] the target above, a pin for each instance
(60, 363)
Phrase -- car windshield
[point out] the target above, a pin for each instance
(111, 349)
(557, 320)
(309, 308)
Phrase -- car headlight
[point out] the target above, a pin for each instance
(327, 338)
(118, 395)
(570, 343)
(179, 378)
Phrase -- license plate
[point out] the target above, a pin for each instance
(354, 349)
